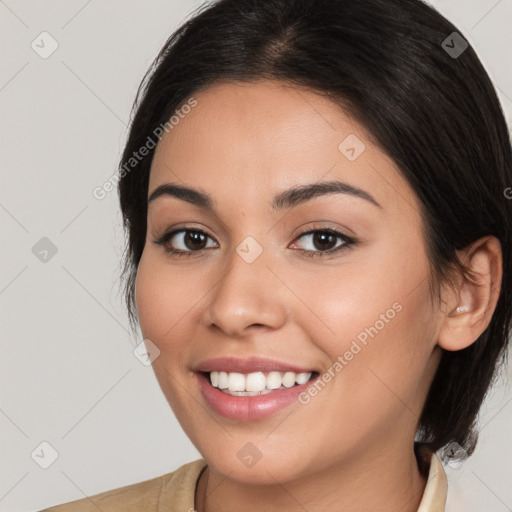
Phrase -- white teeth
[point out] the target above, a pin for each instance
(223, 380)
(256, 383)
(236, 382)
(274, 380)
(302, 378)
(288, 379)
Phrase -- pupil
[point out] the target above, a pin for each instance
(322, 236)
(192, 238)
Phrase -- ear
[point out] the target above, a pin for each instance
(471, 303)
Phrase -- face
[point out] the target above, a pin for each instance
(333, 282)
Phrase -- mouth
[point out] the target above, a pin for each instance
(252, 396)
(253, 388)
(256, 383)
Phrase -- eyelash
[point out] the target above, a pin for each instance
(348, 242)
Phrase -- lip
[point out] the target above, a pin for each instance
(248, 365)
(249, 408)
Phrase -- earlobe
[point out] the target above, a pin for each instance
(472, 304)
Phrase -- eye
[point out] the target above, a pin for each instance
(325, 239)
(188, 241)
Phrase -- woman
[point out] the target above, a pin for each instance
(318, 254)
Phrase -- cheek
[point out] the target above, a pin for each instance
(377, 317)
(344, 300)
(164, 303)
(163, 298)
(381, 361)
(147, 298)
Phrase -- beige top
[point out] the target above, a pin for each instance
(176, 491)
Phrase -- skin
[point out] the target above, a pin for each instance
(351, 447)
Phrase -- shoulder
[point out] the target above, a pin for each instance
(177, 487)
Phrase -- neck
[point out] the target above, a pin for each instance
(383, 479)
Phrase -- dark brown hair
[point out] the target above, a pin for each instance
(435, 113)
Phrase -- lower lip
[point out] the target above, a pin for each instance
(249, 408)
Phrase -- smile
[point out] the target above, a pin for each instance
(251, 389)
(256, 383)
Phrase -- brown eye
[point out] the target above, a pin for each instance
(184, 241)
(194, 240)
(324, 242)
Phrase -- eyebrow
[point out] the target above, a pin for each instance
(284, 200)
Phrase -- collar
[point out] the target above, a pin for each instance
(436, 490)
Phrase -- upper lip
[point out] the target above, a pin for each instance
(249, 365)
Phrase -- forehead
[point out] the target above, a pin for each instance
(248, 140)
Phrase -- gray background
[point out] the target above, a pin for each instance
(68, 374)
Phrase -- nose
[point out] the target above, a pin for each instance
(248, 296)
